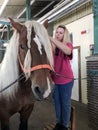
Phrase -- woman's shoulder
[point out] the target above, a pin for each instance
(69, 44)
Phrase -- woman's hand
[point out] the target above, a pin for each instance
(62, 46)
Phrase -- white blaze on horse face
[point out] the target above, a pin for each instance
(48, 91)
(36, 39)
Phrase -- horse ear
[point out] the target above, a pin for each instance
(46, 23)
(16, 25)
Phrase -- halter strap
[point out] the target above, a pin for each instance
(37, 67)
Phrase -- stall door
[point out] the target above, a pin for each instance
(75, 66)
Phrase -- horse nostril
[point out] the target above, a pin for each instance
(38, 92)
(37, 89)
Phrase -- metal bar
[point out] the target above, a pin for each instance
(0, 35)
(92, 72)
(28, 10)
(24, 10)
(2, 41)
(8, 33)
(3, 22)
(95, 11)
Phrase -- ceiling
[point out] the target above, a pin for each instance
(14, 8)
(38, 9)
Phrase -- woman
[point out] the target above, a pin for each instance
(63, 77)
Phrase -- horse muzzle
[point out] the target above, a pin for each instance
(39, 92)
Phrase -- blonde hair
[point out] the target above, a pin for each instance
(66, 37)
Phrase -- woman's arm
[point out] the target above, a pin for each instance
(61, 46)
(53, 46)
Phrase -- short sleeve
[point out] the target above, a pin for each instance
(71, 47)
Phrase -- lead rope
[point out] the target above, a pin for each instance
(59, 75)
(22, 76)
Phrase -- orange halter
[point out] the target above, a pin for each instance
(37, 67)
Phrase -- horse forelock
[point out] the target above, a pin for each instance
(27, 60)
(9, 67)
(41, 38)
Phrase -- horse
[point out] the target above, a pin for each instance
(25, 72)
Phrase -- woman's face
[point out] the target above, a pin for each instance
(59, 34)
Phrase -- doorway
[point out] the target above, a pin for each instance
(75, 62)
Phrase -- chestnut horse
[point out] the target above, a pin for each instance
(28, 58)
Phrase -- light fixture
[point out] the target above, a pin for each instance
(3, 6)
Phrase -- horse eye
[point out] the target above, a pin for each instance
(22, 46)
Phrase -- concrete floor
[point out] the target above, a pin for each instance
(43, 115)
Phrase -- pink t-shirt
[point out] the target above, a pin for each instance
(62, 67)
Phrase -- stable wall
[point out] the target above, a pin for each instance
(82, 31)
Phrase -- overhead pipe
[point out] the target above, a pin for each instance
(54, 10)
(44, 9)
(68, 10)
(63, 9)
(58, 12)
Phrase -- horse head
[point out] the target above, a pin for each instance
(35, 56)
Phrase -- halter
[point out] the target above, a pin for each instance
(37, 67)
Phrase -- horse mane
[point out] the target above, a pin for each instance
(9, 66)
